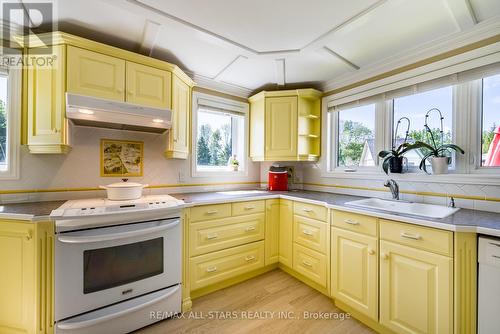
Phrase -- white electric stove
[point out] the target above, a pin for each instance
(116, 262)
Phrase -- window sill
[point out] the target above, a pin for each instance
(472, 178)
(219, 173)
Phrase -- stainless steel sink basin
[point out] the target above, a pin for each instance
(415, 209)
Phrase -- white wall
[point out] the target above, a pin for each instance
(80, 168)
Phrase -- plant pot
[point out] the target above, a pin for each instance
(439, 165)
(396, 165)
(235, 167)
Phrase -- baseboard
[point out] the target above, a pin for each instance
(363, 318)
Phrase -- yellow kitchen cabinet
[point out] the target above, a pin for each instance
(354, 278)
(84, 67)
(311, 264)
(272, 230)
(310, 233)
(178, 143)
(45, 109)
(281, 128)
(285, 125)
(95, 74)
(285, 244)
(26, 279)
(148, 86)
(416, 290)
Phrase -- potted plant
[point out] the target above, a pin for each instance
(437, 154)
(234, 163)
(393, 159)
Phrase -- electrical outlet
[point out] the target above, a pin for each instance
(182, 177)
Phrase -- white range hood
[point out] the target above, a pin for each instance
(91, 111)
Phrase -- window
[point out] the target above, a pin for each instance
(356, 137)
(415, 107)
(4, 123)
(10, 104)
(219, 136)
(490, 119)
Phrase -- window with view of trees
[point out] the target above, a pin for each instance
(415, 107)
(3, 124)
(218, 140)
(490, 144)
(356, 137)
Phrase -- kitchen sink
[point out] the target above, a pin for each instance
(409, 208)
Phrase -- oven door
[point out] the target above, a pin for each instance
(102, 266)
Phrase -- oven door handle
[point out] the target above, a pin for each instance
(108, 317)
(116, 235)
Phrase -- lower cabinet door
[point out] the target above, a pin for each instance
(285, 243)
(355, 271)
(218, 266)
(416, 290)
(272, 230)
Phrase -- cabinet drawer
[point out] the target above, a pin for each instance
(310, 210)
(310, 233)
(309, 263)
(426, 238)
(245, 208)
(215, 267)
(207, 212)
(214, 235)
(355, 222)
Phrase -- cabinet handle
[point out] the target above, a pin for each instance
(494, 244)
(371, 251)
(496, 256)
(212, 236)
(306, 263)
(410, 236)
(118, 90)
(211, 269)
(250, 228)
(384, 256)
(249, 258)
(307, 210)
(249, 207)
(131, 93)
(29, 235)
(175, 140)
(351, 222)
(307, 232)
(55, 130)
(212, 212)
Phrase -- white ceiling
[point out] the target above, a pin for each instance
(242, 46)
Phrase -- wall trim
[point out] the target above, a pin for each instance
(418, 64)
(155, 186)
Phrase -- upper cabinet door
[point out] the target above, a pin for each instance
(148, 86)
(94, 74)
(179, 135)
(281, 128)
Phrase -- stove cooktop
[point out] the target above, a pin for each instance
(100, 206)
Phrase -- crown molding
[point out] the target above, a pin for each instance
(481, 31)
(220, 86)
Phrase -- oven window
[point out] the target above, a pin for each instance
(105, 268)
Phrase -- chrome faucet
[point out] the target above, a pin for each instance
(394, 187)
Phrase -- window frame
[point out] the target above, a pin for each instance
(467, 120)
(232, 106)
(13, 108)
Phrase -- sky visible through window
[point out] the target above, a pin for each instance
(3, 123)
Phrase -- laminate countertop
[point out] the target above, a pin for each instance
(28, 211)
(464, 220)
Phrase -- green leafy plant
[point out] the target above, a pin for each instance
(233, 161)
(434, 150)
(397, 153)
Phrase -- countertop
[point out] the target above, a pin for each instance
(464, 220)
(29, 211)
